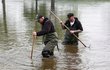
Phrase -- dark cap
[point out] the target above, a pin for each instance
(70, 15)
(38, 17)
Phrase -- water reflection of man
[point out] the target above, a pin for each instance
(48, 64)
(49, 34)
(71, 49)
(72, 58)
(75, 27)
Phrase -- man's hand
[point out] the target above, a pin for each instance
(34, 33)
(75, 31)
(62, 23)
(72, 31)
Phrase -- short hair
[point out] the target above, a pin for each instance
(70, 15)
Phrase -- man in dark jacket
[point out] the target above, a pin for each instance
(75, 27)
(50, 38)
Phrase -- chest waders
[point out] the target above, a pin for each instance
(50, 40)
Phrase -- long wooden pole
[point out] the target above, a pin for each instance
(33, 42)
(32, 46)
(67, 28)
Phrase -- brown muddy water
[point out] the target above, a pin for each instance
(16, 35)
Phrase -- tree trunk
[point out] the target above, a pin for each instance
(4, 15)
(52, 5)
(36, 6)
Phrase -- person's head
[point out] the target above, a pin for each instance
(40, 19)
(70, 16)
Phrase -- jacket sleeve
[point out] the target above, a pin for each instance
(45, 29)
